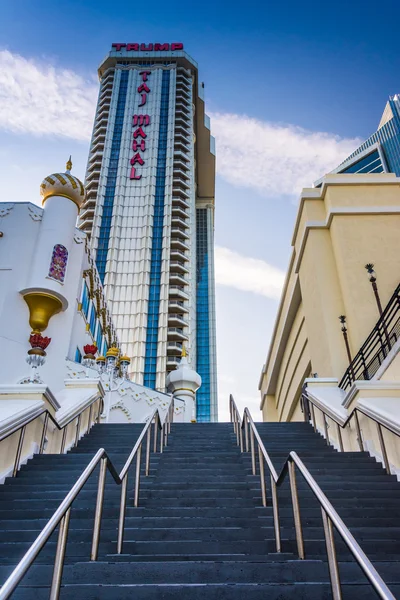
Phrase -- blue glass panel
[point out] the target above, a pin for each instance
(78, 355)
(99, 337)
(388, 136)
(150, 361)
(203, 396)
(366, 165)
(92, 322)
(105, 227)
(85, 300)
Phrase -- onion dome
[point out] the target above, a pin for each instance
(125, 359)
(112, 352)
(63, 184)
(183, 378)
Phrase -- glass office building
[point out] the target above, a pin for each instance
(380, 153)
(149, 212)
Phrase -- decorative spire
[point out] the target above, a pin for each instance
(69, 165)
(184, 351)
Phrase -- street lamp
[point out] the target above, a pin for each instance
(124, 363)
(372, 277)
(342, 319)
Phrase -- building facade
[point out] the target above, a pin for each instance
(149, 212)
(380, 153)
(350, 221)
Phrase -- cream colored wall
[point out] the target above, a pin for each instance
(322, 302)
(333, 240)
(357, 240)
(294, 366)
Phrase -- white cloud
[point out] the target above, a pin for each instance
(274, 158)
(247, 274)
(41, 99)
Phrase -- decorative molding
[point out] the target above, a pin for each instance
(5, 209)
(35, 212)
(79, 237)
(121, 406)
(370, 385)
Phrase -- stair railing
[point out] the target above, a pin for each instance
(236, 420)
(21, 427)
(62, 515)
(330, 517)
(308, 406)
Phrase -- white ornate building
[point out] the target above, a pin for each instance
(58, 345)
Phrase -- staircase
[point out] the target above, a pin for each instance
(200, 531)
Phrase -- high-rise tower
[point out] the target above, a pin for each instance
(150, 212)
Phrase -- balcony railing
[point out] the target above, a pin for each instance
(377, 345)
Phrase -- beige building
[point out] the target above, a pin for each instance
(349, 221)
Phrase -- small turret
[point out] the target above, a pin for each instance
(184, 382)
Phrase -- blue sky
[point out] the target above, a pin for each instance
(291, 87)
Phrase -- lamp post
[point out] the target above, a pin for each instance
(342, 319)
(372, 277)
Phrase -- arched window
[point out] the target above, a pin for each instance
(58, 264)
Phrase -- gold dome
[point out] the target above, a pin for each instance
(63, 184)
(112, 351)
(125, 359)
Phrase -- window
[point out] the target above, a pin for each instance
(93, 320)
(78, 355)
(85, 299)
(58, 264)
(150, 362)
(99, 337)
(105, 227)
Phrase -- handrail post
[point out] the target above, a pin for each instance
(19, 451)
(314, 422)
(60, 556)
(155, 431)
(275, 508)
(237, 429)
(137, 477)
(78, 427)
(296, 509)
(240, 436)
(359, 437)
(246, 431)
(262, 477)
(383, 448)
(326, 428)
(89, 424)
(122, 508)
(99, 509)
(161, 439)
(44, 431)
(332, 559)
(64, 435)
(166, 434)
(98, 413)
(148, 451)
(340, 437)
(253, 452)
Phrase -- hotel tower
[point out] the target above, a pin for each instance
(149, 212)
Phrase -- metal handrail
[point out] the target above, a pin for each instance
(377, 345)
(310, 415)
(47, 415)
(330, 517)
(62, 515)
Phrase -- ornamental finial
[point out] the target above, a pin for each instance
(184, 352)
(69, 164)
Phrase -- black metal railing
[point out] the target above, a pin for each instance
(377, 345)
